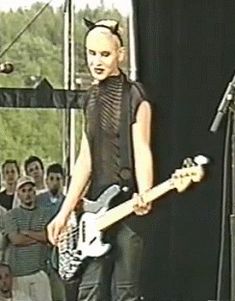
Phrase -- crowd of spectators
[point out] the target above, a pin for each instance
(28, 201)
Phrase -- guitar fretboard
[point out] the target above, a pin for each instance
(117, 213)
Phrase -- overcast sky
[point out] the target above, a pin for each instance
(122, 5)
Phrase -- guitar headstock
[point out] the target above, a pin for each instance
(191, 171)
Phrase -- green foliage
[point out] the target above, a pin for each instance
(39, 53)
(26, 132)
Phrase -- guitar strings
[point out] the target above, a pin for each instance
(70, 234)
(68, 241)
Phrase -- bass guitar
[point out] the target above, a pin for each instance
(82, 237)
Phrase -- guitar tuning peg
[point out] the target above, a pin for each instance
(201, 160)
(188, 162)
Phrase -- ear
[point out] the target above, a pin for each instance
(89, 24)
(121, 54)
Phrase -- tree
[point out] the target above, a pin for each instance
(38, 53)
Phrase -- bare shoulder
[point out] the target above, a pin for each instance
(144, 111)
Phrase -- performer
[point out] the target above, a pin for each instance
(115, 148)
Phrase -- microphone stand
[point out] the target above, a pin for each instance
(232, 216)
(227, 104)
(223, 107)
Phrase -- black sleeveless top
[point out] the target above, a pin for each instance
(107, 105)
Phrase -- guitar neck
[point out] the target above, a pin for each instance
(117, 213)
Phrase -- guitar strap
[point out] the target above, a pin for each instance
(132, 95)
(126, 159)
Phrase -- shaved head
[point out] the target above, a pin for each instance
(98, 32)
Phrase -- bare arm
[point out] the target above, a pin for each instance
(19, 239)
(12, 232)
(80, 178)
(79, 181)
(142, 151)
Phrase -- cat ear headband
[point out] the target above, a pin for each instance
(114, 29)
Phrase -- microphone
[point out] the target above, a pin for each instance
(224, 105)
(6, 67)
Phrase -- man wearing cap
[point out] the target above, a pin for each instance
(25, 229)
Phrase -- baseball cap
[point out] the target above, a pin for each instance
(24, 180)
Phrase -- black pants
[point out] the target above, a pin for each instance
(115, 276)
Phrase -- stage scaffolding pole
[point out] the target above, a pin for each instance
(132, 43)
(69, 84)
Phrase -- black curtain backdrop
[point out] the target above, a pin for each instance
(186, 57)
